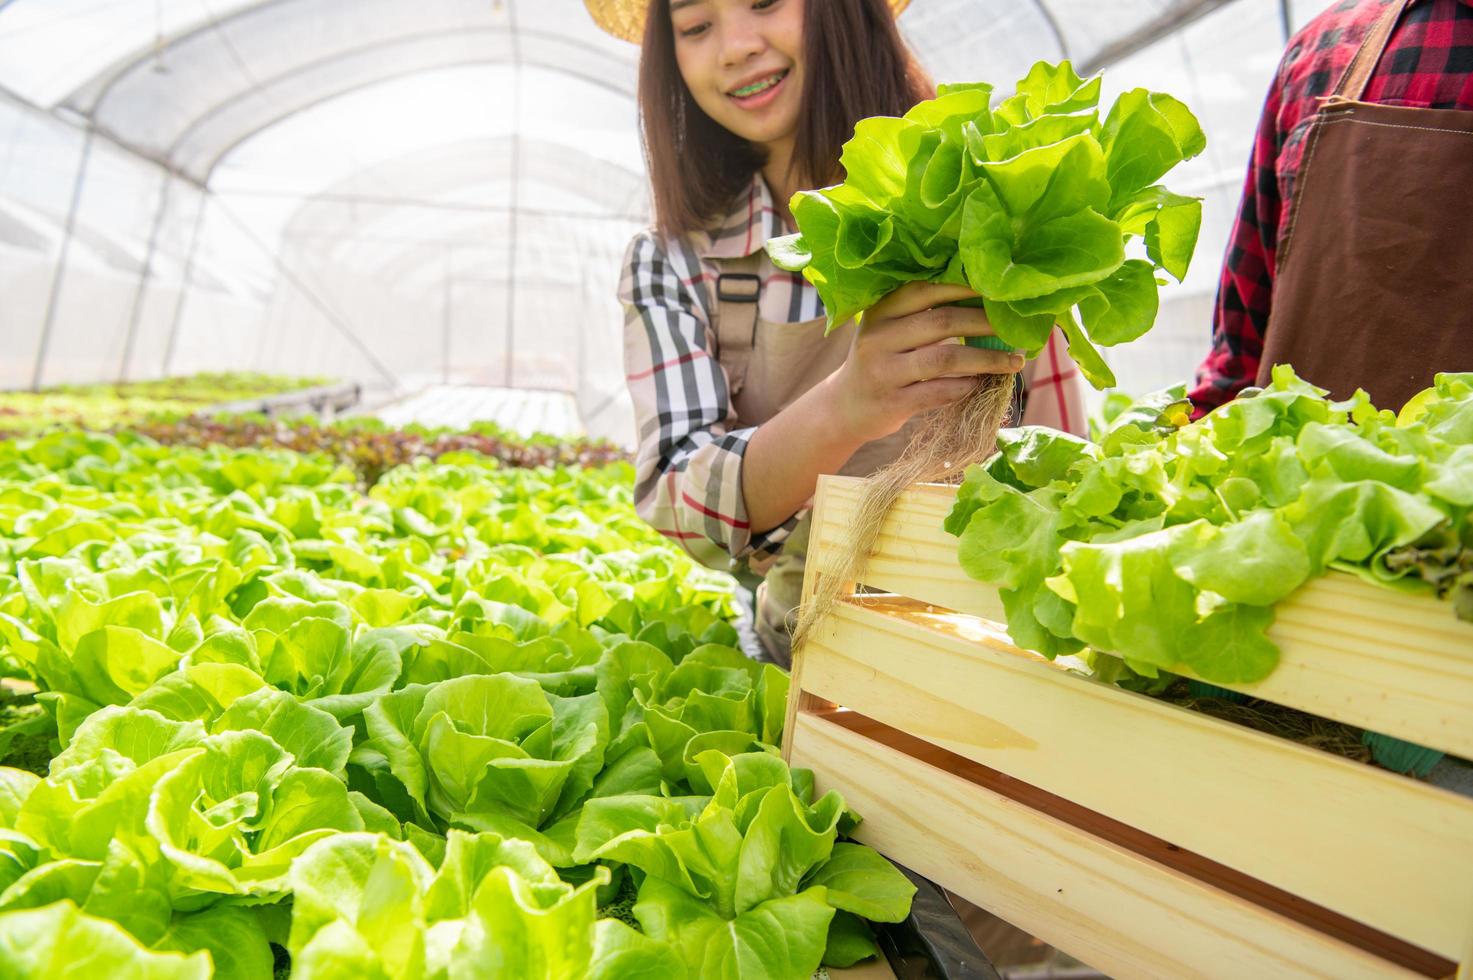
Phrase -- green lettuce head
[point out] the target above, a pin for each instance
(1031, 202)
(494, 752)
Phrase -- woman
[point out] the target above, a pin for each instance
(741, 401)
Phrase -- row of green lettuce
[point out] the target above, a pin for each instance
(477, 721)
(1168, 544)
(104, 406)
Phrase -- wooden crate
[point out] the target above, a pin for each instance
(1141, 837)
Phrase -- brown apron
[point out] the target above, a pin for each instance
(1374, 280)
(768, 366)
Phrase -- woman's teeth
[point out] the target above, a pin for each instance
(749, 90)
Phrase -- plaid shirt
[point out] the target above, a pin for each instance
(1428, 64)
(689, 461)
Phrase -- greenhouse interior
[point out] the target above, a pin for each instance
(466, 511)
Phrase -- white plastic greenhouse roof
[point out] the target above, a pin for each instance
(184, 82)
(397, 189)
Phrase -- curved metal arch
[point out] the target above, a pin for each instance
(555, 164)
(392, 261)
(219, 156)
(372, 252)
(552, 164)
(574, 56)
(1149, 34)
(542, 59)
(420, 269)
(388, 44)
(103, 78)
(103, 82)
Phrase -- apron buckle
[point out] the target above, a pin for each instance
(738, 287)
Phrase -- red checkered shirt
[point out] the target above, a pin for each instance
(689, 460)
(1428, 64)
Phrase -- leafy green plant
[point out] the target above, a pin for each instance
(1031, 202)
(493, 752)
(368, 905)
(1169, 543)
(750, 881)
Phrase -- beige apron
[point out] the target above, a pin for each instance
(768, 366)
(1375, 272)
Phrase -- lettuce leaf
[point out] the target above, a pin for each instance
(59, 940)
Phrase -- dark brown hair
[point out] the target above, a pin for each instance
(855, 65)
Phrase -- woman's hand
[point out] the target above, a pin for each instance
(906, 359)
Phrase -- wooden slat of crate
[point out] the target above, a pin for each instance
(1358, 653)
(1112, 908)
(914, 555)
(1361, 841)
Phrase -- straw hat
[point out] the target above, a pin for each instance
(624, 19)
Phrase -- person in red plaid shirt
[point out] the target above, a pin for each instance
(741, 399)
(1383, 299)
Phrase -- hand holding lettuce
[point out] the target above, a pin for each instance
(1031, 203)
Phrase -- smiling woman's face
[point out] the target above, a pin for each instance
(743, 63)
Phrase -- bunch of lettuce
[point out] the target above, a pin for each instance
(1168, 544)
(712, 697)
(751, 880)
(1031, 203)
(467, 906)
(496, 752)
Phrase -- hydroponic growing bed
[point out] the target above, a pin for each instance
(107, 406)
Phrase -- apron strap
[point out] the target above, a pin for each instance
(1357, 74)
(738, 288)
